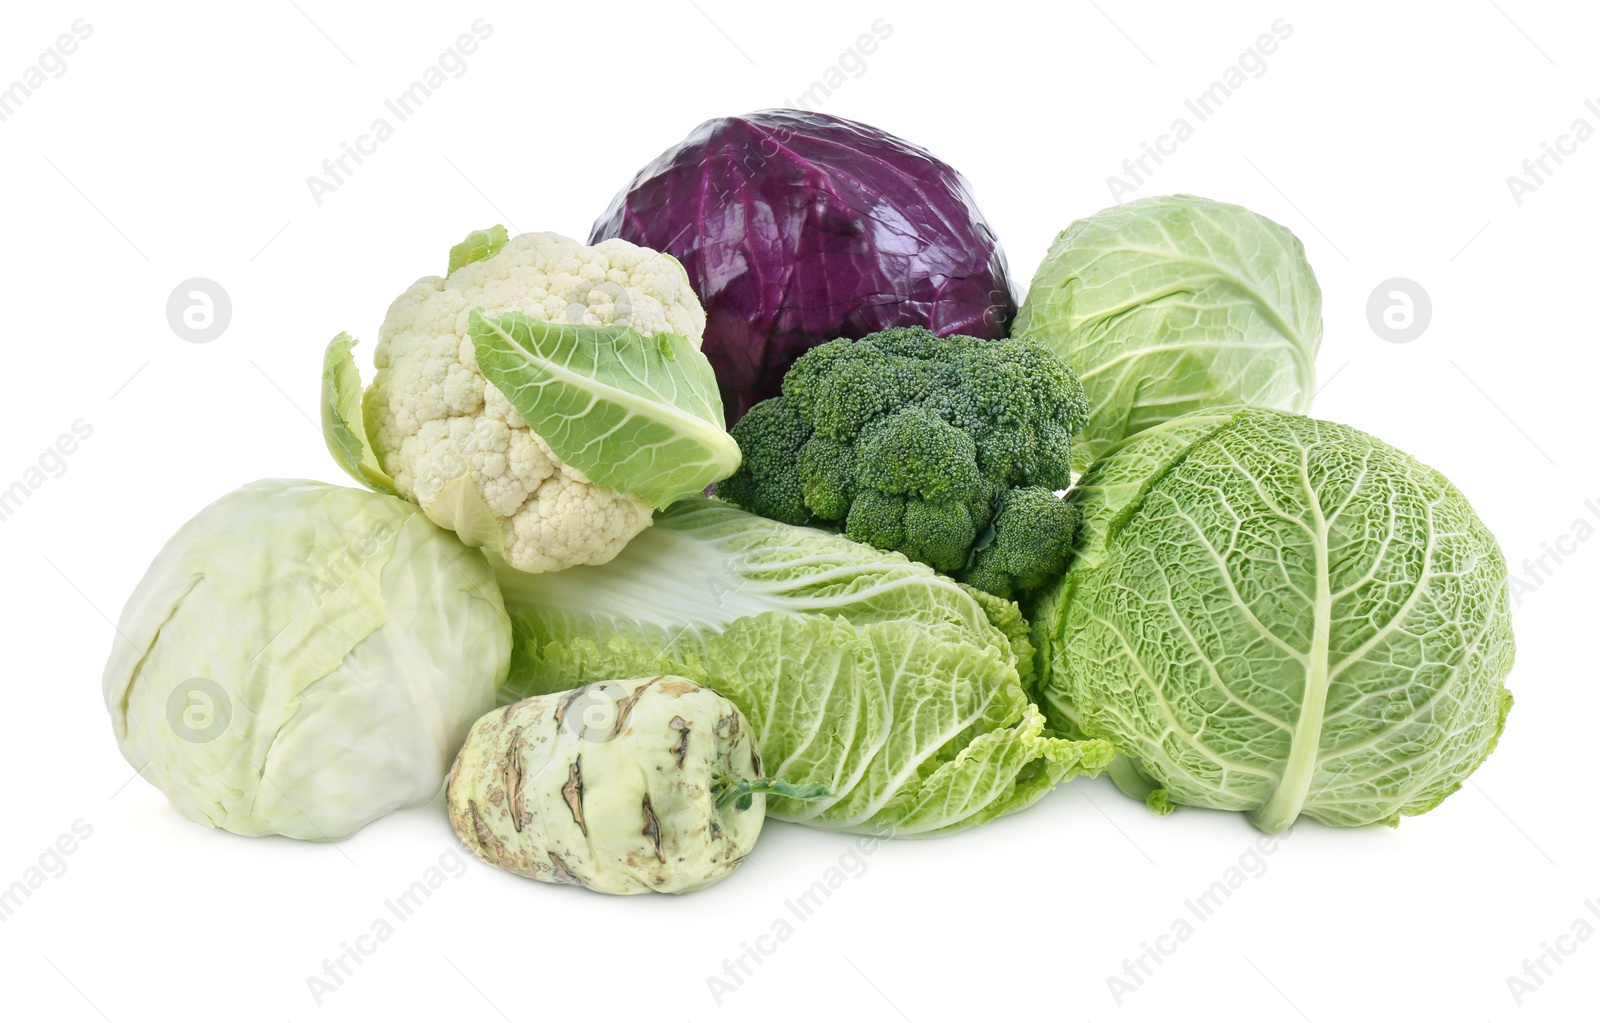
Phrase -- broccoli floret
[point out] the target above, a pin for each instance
(919, 443)
(916, 454)
(1033, 535)
(842, 386)
(1021, 405)
(828, 476)
(940, 535)
(878, 519)
(771, 436)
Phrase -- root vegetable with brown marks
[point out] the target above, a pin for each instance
(648, 784)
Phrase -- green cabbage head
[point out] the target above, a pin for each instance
(1281, 616)
(301, 659)
(1174, 304)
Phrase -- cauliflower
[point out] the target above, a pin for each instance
(447, 438)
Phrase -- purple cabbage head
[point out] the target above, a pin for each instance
(797, 228)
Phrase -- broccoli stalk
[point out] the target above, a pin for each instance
(948, 449)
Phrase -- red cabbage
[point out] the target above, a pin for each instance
(797, 228)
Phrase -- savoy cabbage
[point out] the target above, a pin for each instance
(901, 692)
(1282, 616)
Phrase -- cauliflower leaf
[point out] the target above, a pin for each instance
(641, 415)
(342, 425)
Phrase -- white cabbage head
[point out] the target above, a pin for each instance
(301, 659)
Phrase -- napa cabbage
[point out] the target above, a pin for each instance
(899, 691)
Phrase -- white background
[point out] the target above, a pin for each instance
(177, 145)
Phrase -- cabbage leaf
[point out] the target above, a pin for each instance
(1174, 304)
(1279, 616)
(900, 691)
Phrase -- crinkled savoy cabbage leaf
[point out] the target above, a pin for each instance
(1281, 616)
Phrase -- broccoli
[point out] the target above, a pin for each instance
(948, 449)
(772, 486)
(1033, 536)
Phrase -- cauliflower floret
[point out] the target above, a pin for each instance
(434, 419)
